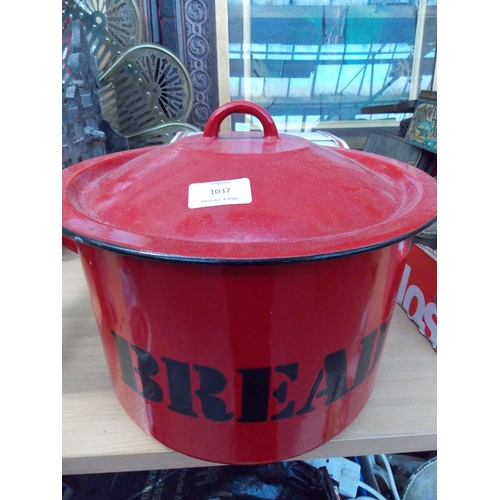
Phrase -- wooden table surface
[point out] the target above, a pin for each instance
(98, 436)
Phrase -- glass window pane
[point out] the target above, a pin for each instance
(328, 59)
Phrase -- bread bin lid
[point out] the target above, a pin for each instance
(245, 196)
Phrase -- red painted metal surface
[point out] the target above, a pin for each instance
(247, 332)
(243, 364)
(302, 200)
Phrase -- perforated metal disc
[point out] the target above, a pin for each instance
(145, 88)
(159, 135)
(111, 26)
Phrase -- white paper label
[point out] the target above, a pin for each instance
(212, 194)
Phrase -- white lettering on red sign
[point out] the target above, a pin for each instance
(423, 314)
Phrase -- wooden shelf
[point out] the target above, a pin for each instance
(98, 436)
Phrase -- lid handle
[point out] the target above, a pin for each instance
(214, 122)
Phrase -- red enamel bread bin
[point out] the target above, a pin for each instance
(243, 283)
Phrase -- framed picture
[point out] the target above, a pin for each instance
(422, 131)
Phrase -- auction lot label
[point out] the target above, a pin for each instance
(216, 193)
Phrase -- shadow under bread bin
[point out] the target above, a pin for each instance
(243, 283)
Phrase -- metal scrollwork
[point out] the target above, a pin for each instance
(197, 36)
(196, 11)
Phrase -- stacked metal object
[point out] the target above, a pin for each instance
(82, 134)
(118, 92)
